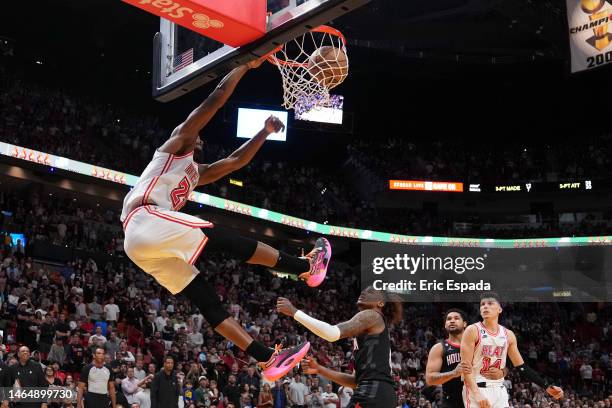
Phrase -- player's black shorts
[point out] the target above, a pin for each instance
(374, 394)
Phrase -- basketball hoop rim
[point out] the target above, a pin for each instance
(321, 29)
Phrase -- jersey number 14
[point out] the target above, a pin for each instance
(486, 364)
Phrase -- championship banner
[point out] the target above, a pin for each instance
(590, 33)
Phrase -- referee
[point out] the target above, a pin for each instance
(98, 380)
(27, 373)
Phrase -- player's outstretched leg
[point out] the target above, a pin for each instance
(275, 362)
(311, 268)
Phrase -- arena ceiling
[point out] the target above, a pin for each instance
(468, 27)
(502, 28)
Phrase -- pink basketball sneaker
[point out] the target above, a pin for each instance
(283, 360)
(319, 259)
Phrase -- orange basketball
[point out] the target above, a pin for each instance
(328, 66)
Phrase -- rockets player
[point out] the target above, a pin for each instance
(166, 243)
(486, 344)
(372, 380)
(443, 362)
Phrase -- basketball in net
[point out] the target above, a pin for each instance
(328, 65)
(310, 66)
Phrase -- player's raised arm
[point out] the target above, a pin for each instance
(468, 347)
(210, 173)
(526, 372)
(365, 322)
(183, 138)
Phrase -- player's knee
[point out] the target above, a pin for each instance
(215, 314)
(203, 295)
(223, 240)
(212, 309)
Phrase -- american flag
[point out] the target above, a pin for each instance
(181, 61)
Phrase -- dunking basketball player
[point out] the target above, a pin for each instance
(487, 344)
(443, 362)
(166, 243)
(372, 380)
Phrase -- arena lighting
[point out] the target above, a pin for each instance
(50, 160)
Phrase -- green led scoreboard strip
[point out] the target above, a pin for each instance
(75, 166)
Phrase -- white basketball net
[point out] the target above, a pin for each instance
(306, 82)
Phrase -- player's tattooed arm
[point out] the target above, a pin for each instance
(433, 376)
(365, 322)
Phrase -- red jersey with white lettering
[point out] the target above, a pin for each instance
(166, 182)
(491, 351)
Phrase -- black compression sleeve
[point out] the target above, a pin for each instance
(528, 373)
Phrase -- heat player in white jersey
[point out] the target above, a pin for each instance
(486, 344)
(166, 243)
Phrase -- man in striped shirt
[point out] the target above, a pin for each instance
(96, 385)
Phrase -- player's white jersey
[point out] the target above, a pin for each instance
(491, 351)
(167, 182)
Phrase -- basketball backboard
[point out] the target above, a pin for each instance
(184, 60)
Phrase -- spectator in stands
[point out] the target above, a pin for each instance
(298, 392)
(98, 340)
(112, 345)
(124, 354)
(95, 309)
(47, 333)
(202, 395)
(250, 378)
(188, 394)
(139, 371)
(265, 400)
(111, 310)
(58, 353)
(232, 391)
(330, 398)
(133, 389)
(76, 354)
(62, 329)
